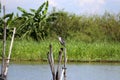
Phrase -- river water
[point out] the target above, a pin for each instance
(81, 71)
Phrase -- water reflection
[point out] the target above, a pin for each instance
(74, 72)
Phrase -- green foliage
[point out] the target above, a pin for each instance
(22, 10)
(6, 19)
(76, 50)
(31, 25)
(0, 7)
(58, 24)
(39, 25)
(85, 28)
(93, 37)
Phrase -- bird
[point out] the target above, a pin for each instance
(61, 41)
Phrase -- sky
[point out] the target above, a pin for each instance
(72, 6)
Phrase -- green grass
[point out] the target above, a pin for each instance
(94, 51)
(76, 50)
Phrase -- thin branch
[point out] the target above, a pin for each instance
(58, 67)
(65, 61)
(51, 62)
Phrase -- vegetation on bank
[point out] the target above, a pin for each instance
(38, 24)
(76, 50)
(88, 37)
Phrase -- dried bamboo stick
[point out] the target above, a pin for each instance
(10, 49)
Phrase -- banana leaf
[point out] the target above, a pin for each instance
(22, 10)
(41, 7)
(33, 10)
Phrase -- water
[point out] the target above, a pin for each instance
(94, 72)
(74, 72)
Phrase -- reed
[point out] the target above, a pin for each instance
(76, 50)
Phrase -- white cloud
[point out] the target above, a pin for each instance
(52, 3)
(75, 6)
(116, 1)
(3, 2)
(83, 2)
(90, 2)
(91, 6)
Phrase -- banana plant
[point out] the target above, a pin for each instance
(32, 25)
(8, 18)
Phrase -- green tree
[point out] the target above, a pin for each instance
(32, 23)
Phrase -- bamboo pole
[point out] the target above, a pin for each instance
(4, 46)
(10, 50)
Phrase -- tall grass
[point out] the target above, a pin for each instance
(76, 50)
(94, 51)
(30, 50)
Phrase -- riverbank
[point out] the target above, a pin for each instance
(76, 50)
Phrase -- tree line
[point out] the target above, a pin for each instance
(39, 25)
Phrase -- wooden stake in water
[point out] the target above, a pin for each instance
(51, 62)
(65, 58)
(58, 76)
(65, 61)
(4, 46)
(10, 49)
